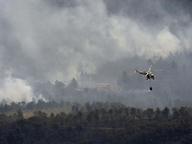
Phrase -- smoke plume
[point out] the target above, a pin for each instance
(48, 40)
(15, 90)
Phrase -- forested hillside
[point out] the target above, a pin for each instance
(97, 123)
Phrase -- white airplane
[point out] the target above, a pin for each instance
(148, 74)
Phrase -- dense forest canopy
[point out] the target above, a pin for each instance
(94, 123)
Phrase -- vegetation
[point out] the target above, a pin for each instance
(96, 123)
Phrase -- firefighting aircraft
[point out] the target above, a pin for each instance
(148, 75)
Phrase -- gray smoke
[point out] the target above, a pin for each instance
(48, 40)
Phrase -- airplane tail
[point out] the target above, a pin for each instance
(141, 72)
(150, 68)
(136, 71)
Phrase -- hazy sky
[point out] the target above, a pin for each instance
(59, 39)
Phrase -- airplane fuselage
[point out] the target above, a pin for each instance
(150, 76)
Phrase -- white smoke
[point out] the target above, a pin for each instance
(44, 41)
(59, 41)
(15, 90)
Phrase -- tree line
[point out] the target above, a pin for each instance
(101, 123)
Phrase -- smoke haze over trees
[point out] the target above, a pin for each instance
(95, 42)
(67, 71)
